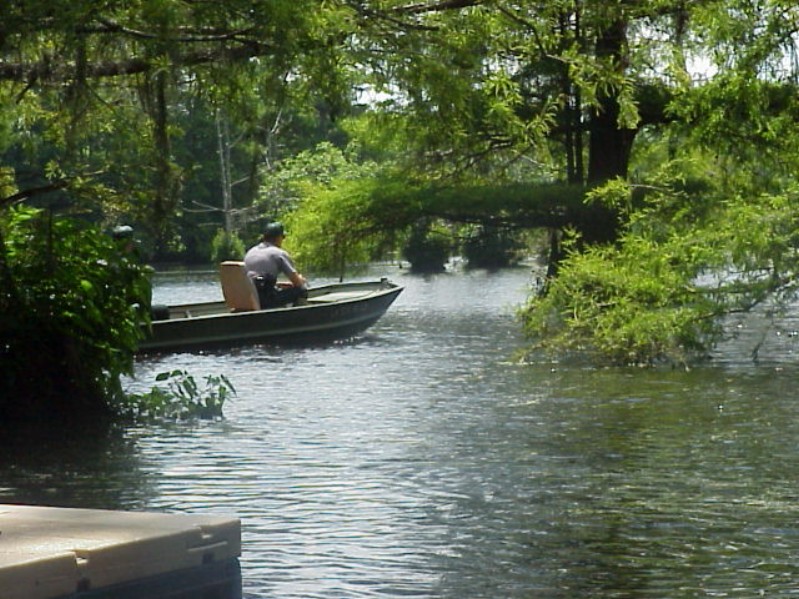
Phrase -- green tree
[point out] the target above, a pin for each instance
(491, 105)
(691, 256)
(226, 246)
(682, 268)
(617, 97)
(428, 247)
(100, 87)
(72, 302)
(347, 210)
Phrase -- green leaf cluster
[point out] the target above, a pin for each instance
(340, 211)
(428, 246)
(181, 399)
(72, 306)
(226, 246)
(662, 293)
(350, 222)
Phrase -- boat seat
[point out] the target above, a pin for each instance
(237, 288)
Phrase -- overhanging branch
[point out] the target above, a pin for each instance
(47, 70)
(33, 191)
(442, 5)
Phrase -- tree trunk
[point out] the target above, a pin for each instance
(609, 145)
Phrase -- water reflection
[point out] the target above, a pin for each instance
(657, 484)
(421, 460)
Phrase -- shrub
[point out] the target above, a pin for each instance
(72, 305)
(427, 248)
(492, 247)
(226, 246)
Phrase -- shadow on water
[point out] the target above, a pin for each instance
(91, 465)
(98, 466)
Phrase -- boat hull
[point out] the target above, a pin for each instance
(333, 311)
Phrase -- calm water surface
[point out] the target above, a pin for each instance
(422, 460)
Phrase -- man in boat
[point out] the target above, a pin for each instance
(266, 261)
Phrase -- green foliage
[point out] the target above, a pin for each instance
(121, 107)
(340, 226)
(662, 293)
(490, 108)
(226, 246)
(181, 399)
(629, 306)
(287, 186)
(72, 304)
(492, 247)
(428, 247)
(344, 212)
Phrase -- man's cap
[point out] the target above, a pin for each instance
(122, 232)
(273, 230)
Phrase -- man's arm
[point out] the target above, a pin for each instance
(288, 269)
(297, 279)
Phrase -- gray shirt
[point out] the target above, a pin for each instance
(266, 259)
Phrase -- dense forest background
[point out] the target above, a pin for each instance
(648, 149)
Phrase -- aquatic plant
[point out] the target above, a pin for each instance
(181, 399)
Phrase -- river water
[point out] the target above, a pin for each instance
(422, 459)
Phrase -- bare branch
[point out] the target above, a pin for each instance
(427, 7)
(186, 35)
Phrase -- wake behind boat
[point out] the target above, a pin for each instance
(332, 311)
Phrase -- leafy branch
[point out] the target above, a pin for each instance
(182, 398)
